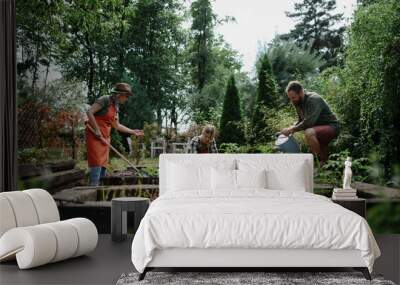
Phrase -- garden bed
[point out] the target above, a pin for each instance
(130, 177)
(51, 176)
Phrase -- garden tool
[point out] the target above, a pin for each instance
(115, 150)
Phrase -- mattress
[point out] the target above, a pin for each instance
(250, 219)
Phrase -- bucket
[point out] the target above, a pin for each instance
(287, 144)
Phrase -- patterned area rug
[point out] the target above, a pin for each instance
(243, 278)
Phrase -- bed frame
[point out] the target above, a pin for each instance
(246, 258)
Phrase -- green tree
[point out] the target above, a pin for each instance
(87, 51)
(38, 35)
(371, 107)
(158, 43)
(318, 27)
(266, 100)
(247, 93)
(231, 130)
(207, 104)
(292, 62)
(202, 30)
(212, 61)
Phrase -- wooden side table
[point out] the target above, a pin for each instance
(358, 205)
(119, 209)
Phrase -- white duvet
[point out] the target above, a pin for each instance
(254, 218)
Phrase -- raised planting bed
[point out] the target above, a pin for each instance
(29, 170)
(51, 176)
(53, 182)
(129, 177)
(105, 193)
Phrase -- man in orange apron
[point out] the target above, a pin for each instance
(102, 116)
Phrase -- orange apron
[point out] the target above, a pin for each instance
(98, 151)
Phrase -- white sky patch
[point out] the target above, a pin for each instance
(258, 21)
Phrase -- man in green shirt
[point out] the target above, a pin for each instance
(315, 118)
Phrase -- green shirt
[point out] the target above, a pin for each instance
(314, 111)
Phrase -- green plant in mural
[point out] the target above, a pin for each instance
(332, 171)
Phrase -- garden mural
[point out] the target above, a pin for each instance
(185, 75)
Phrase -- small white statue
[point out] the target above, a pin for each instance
(347, 174)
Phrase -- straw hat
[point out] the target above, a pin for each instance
(122, 88)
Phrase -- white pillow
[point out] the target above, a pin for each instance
(188, 177)
(281, 173)
(251, 178)
(223, 179)
(292, 179)
(194, 174)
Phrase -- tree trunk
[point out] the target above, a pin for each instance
(46, 77)
(159, 119)
(35, 70)
(74, 156)
(90, 83)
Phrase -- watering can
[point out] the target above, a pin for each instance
(286, 144)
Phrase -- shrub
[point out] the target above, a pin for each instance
(371, 109)
(32, 155)
(229, 148)
(231, 129)
(266, 100)
(332, 171)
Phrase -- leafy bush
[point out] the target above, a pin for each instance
(229, 148)
(32, 155)
(258, 148)
(371, 105)
(152, 171)
(150, 132)
(118, 140)
(137, 150)
(365, 92)
(332, 171)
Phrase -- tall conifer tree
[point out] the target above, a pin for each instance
(231, 130)
(318, 27)
(266, 99)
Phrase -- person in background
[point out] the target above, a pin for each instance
(205, 143)
(315, 118)
(103, 115)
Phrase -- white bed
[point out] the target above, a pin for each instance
(228, 218)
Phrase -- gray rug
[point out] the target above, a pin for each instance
(243, 278)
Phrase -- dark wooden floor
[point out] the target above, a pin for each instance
(103, 266)
(110, 260)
